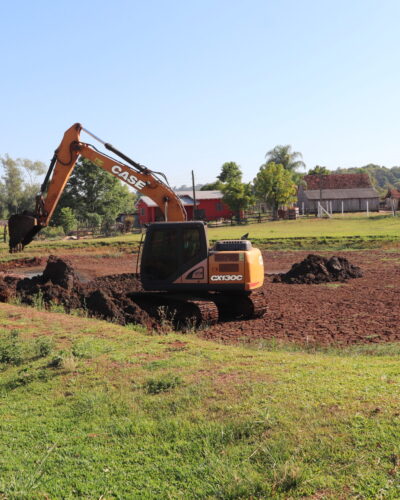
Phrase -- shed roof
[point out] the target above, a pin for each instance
(337, 181)
(201, 195)
(341, 194)
(186, 201)
(393, 193)
(187, 197)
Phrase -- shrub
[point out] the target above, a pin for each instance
(43, 346)
(161, 384)
(52, 232)
(10, 349)
(67, 219)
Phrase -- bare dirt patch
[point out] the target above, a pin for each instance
(363, 310)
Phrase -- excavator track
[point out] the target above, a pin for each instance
(185, 311)
(181, 310)
(240, 307)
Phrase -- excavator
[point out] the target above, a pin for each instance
(179, 271)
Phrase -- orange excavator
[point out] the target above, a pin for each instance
(178, 269)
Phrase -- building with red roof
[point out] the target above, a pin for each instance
(337, 193)
(209, 206)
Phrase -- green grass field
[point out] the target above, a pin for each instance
(351, 231)
(338, 226)
(94, 410)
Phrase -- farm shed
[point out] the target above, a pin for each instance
(392, 199)
(209, 206)
(350, 192)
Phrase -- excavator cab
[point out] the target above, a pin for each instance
(176, 256)
(170, 250)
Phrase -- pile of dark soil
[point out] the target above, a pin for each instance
(107, 297)
(317, 269)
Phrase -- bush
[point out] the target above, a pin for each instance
(52, 232)
(67, 219)
(10, 349)
(162, 384)
(43, 347)
(93, 220)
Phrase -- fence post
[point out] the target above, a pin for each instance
(367, 208)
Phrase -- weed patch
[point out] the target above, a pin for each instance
(11, 349)
(162, 384)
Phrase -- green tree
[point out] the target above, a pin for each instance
(285, 156)
(274, 184)
(67, 219)
(91, 190)
(238, 196)
(20, 184)
(212, 186)
(13, 185)
(318, 170)
(93, 220)
(230, 171)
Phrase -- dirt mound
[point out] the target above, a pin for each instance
(106, 297)
(59, 272)
(316, 269)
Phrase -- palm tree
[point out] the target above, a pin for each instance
(286, 157)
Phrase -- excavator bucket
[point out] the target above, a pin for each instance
(22, 228)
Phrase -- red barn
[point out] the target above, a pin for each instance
(209, 206)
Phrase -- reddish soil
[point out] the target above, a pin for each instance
(362, 310)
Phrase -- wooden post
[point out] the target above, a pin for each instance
(342, 207)
(194, 197)
(367, 208)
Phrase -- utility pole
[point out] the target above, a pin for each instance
(194, 197)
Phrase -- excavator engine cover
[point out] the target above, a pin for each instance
(22, 228)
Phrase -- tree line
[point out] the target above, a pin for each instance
(93, 198)
(275, 183)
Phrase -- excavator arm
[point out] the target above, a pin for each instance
(23, 227)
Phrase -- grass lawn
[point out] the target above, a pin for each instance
(350, 231)
(94, 410)
(338, 226)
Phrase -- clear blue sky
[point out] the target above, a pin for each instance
(181, 85)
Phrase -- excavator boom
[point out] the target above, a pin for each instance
(23, 227)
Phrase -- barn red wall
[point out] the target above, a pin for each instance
(210, 207)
